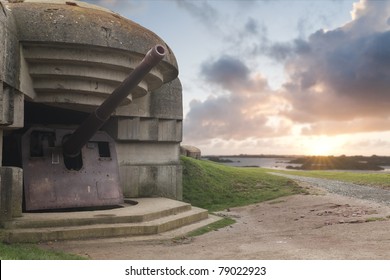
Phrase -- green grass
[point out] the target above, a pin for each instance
(374, 179)
(214, 226)
(216, 187)
(375, 219)
(32, 252)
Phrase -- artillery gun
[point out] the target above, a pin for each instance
(69, 169)
(61, 64)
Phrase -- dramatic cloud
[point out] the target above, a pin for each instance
(338, 82)
(342, 74)
(247, 109)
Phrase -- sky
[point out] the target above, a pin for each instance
(293, 77)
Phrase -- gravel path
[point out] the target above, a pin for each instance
(343, 188)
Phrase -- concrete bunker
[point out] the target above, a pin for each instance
(59, 60)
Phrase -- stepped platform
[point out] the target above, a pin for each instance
(137, 217)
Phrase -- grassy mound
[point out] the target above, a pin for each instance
(216, 187)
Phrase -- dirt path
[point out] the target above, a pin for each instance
(316, 226)
(374, 194)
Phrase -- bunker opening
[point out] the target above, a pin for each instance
(68, 162)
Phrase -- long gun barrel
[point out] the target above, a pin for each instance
(72, 145)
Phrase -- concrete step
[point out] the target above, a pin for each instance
(163, 223)
(136, 211)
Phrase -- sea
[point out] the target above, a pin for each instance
(264, 162)
(276, 163)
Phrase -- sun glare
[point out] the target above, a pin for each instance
(323, 146)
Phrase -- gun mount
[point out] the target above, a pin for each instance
(72, 145)
(71, 169)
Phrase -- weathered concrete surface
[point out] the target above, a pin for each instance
(150, 216)
(83, 24)
(132, 153)
(11, 100)
(167, 101)
(156, 173)
(78, 53)
(147, 180)
(145, 129)
(11, 107)
(11, 193)
(9, 48)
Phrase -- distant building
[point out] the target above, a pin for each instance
(190, 151)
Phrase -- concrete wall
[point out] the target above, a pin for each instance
(11, 116)
(9, 49)
(148, 143)
(152, 180)
(11, 99)
(11, 194)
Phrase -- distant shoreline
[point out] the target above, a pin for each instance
(252, 156)
(362, 163)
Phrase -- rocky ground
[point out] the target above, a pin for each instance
(329, 223)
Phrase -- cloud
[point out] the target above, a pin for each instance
(205, 13)
(201, 10)
(252, 26)
(248, 108)
(347, 127)
(367, 144)
(342, 75)
(369, 16)
(227, 71)
(281, 52)
(338, 83)
(237, 35)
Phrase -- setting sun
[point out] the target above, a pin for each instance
(323, 145)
